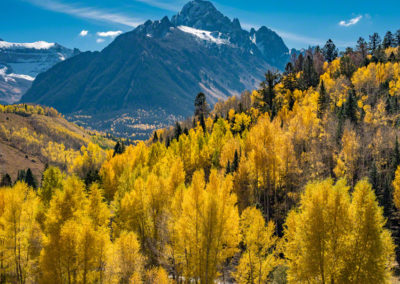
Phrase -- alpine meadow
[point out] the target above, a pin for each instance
(183, 178)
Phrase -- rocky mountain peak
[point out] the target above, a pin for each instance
(203, 15)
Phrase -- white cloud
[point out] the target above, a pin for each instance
(83, 33)
(87, 12)
(109, 33)
(350, 22)
(100, 40)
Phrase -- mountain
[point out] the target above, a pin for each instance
(20, 63)
(148, 77)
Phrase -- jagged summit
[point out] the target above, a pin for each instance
(203, 15)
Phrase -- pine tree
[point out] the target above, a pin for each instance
(235, 163)
(119, 148)
(155, 137)
(178, 130)
(397, 38)
(374, 42)
(203, 123)
(388, 40)
(200, 105)
(330, 51)
(309, 75)
(362, 47)
(351, 107)
(6, 180)
(30, 179)
(21, 176)
(323, 100)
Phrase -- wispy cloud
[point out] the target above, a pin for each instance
(83, 33)
(174, 5)
(100, 40)
(109, 33)
(350, 22)
(87, 12)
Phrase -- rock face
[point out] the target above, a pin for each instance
(21, 62)
(159, 67)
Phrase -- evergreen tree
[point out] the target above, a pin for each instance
(235, 163)
(178, 130)
(388, 40)
(323, 100)
(6, 180)
(289, 80)
(374, 42)
(155, 137)
(228, 168)
(201, 105)
(362, 47)
(119, 148)
(330, 51)
(397, 38)
(21, 176)
(203, 123)
(267, 89)
(347, 67)
(30, 179)
(309, 76)
(351, 107)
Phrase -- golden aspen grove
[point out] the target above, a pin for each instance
(295, 182)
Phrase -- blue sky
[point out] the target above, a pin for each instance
(92, 24)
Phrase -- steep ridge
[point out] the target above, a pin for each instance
(151, 74)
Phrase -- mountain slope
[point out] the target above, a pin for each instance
(20, 63)
(32, 136)
(159, 67)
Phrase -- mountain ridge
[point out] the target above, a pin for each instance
(161, 64)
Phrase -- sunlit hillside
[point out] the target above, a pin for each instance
(33, 136)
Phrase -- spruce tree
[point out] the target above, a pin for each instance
(397, 38)
(119, 148)
(374, 42)
(323, 100)
(200, 105)
(388, 40)
(21, 176)
(178, 130)
(30, 179)
(6, 180)
(235, 163)
(351, 107)
(155, 137)
(330, 51)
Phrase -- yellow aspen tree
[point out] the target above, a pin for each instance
(259, 258)
(316, 233)
(125, 262)
(208, 227)
(347, 161)
(67, 204)
(371, 249)
(396, 186)
(20, 234)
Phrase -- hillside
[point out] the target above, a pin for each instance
(297, 181)
(154, 71)
(32, 136)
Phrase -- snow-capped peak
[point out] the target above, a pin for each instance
(32, 45)
(204, 35)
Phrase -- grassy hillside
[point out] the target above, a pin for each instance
(33, 136)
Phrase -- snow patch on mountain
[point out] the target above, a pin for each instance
(204, 35)
(30, 45)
